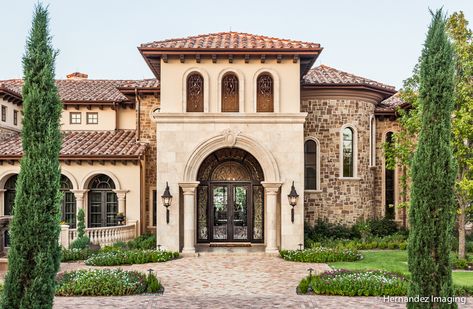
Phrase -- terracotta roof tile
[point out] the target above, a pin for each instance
(390, 104)
(88, 90)
(230, 40)
(326, 76)
(98, 144)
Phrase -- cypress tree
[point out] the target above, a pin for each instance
(432, 211)
(34, 255)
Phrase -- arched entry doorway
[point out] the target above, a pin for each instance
(230, 198)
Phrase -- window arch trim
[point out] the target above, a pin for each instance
(241, 89)
(317, 163)
(372, 141)
(355, 151)
(276, 89)
(205, 77)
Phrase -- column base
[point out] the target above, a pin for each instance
(271, 251)
(188, 252)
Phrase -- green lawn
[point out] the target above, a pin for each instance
(394, 260)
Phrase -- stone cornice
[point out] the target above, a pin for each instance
(341, 94)
(259, 118)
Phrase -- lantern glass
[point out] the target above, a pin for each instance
(293, 200)
(167, 201)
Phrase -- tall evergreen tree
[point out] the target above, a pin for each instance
(432, 211)
(34, 254)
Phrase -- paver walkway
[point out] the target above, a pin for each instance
(222, 281)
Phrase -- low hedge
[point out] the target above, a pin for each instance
(126, 257)
(321, 255)
(356, 283)
(395, 241)
(69, 255)
(105, 282)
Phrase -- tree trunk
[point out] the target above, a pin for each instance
(461, 232)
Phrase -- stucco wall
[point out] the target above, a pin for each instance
(126, 118)
(107, 119)
(285, 75)
(8, 124)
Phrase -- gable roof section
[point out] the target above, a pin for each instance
(87, 91)
(230, 40)
(230, 43)
(85, 145)
(324, 76)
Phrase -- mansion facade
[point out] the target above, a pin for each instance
(231, 123)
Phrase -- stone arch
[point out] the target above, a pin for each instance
(276, 88)
(70, 176)
(6, 175)
(205, 76)
(86, 180)
(229, 138)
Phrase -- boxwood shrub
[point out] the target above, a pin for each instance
(104, 282)
(356, 283)
(126, 257)
(76, 254)
(321, 255)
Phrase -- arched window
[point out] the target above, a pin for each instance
(372, 141)
(264, 93)
(103, 205)
(310, 165)
(348, 152)
(9, 195)
(389, 174)
(68, 206)
(230, 96)
(195, 92)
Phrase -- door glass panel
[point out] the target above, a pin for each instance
(95, 209)
(220, 201)
(257, 213)
(240, 213)
(112, 209)
(202, 198)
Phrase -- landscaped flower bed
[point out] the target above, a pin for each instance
(76, 254)
(356, 283)
(125, 257)
(321, 255)
(105, 282)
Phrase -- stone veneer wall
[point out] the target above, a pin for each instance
(339, 200)
(148, 134)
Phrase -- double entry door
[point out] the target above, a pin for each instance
(230, 212)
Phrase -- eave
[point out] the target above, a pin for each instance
(10, 96)
(385, 93)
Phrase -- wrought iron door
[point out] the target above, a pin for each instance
(230, 217)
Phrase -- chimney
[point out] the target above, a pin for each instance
(77, 75)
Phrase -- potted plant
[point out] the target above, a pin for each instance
(120, 218)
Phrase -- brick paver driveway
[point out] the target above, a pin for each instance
(223, 281)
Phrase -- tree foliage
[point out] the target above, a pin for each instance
(34, 255)
(432, 210)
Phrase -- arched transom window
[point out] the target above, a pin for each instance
(348, 152)
(195, 93)
(230, 96)
(103, 204)
(68, 206)
(265, 93)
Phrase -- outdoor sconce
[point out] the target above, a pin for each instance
(293, 197)
(167, 199)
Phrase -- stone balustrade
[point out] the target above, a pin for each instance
(103, 236)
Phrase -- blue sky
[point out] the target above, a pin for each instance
(378, 39)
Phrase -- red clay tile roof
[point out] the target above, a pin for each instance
(230, 40)
(103, 145)
(88, 90)
(327, 76)
(390, 104)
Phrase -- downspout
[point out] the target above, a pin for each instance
(138, 115)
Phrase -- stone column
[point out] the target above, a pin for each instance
(188, 189)
(2, 201)
(79, 195)
(121, 195)
(64, 236)
(271, 190)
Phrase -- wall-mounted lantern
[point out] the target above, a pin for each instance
(167, 199)
(293, 197)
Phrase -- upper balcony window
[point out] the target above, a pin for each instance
(75, 118)
(195, 93)
(230, 98)
(265, 93)
(92, 118)
(4, 113)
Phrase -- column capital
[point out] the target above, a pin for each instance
(188, 187)
(121, 193)
(2, 190)
(79, 193)
(271, 187)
